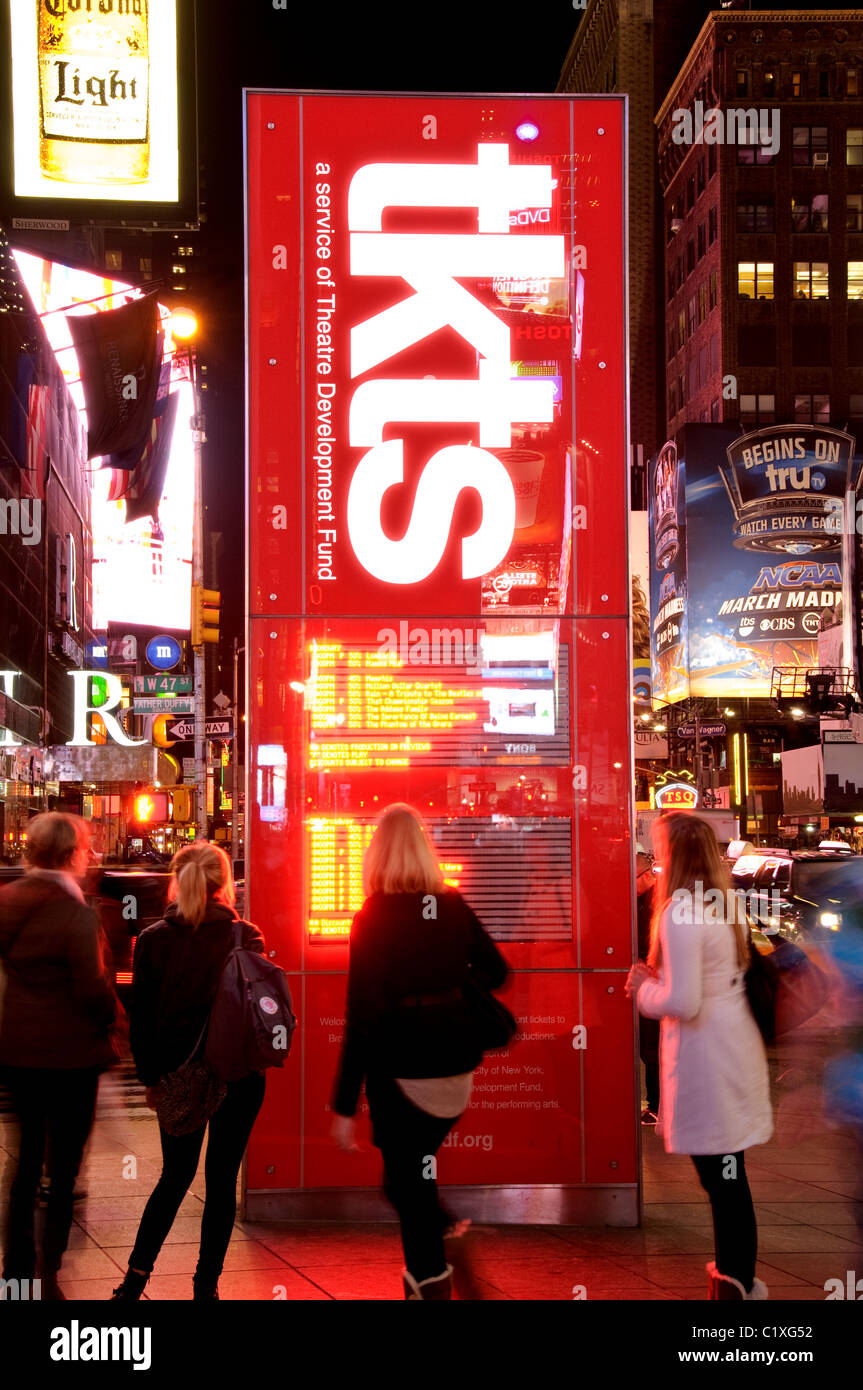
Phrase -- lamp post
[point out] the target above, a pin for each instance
(184, 327)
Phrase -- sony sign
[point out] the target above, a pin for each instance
(434, 265)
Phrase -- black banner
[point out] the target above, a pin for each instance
(117, 357)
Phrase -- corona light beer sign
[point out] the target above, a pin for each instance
(95, 99)
(438, 590)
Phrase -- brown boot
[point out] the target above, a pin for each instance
(438, 1287)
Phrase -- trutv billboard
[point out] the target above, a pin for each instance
(439, 594)
(746, 536)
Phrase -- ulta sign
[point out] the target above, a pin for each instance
(433, 264)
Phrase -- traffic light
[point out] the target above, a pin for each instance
(205, 615)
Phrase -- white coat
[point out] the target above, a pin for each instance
(714, 1084)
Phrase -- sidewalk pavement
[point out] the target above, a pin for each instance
(805, 1182)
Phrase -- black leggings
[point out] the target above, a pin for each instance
(55, 1109)
(735, 1234)
(409, 1139)
(230, 1128)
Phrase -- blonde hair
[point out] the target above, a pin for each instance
(53, 838)
(200, 873)
(401, 857)
(689, 854)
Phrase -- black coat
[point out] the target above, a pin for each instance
(397, 953)
(175, 977)
(58, 1005)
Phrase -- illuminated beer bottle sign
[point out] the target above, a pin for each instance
(94, 78)
(434, 265)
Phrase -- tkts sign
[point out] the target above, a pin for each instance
(394, 261)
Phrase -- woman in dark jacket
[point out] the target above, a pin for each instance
(409, 1032)
(178, 963)
(55, 1034)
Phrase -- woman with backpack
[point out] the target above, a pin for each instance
(416, 951)
(177, 967)
(714, 1087)
(59, 1009)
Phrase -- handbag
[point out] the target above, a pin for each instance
(494, 1026)
(784, 989)
(187, 1098)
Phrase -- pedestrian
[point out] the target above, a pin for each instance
(176, 971)
(648, 1028)
(409, 1030)
(55, 1036)
(714, 1090)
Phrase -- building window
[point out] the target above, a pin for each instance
(714, 354)
(855, 407)
(714, 289)
(823, 85)
(854, 212)
(714, 411)
(145, 265)
(741, 82)
(754, 152)
(185, 250)
(681, 328)
(811, 280)
(113, 260)
(672, 402)
(757, 410)
(797, 84)
(693, 378)
(855, 279)
(755, 217)
(712, 223)
(854, 145)
(711, 161)
(702, 177)
(702, 303)
(809, 145)
(681, 387)
(681, 272)
(755, 279)
(809, 214)
(690, 318)
(702, 239)
(852, 83)
(811, 410)
(703, 368)
(672, 341)
(690, 257)
(769, 84)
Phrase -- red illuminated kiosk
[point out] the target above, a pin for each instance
(438, 607)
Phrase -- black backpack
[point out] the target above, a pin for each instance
(251, 1021)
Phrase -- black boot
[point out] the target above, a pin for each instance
(132, 1287)
(204, 1289)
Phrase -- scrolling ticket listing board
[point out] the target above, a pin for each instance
(438, 588)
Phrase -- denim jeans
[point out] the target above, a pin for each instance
(229, 1130)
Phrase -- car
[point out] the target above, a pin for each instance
(746, 865)
(808, 896)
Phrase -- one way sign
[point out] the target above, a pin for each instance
(213, 728)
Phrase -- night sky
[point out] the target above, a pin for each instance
(449, 47)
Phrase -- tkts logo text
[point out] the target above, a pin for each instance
(433, 264)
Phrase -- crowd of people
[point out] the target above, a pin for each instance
(422, 976)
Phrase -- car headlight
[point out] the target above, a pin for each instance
(833, 920)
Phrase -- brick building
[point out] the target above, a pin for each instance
(763, 260)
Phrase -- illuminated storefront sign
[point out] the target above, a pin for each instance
(422, 621)
(95, 100)
(676, 796)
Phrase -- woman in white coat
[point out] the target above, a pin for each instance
(714, 1086)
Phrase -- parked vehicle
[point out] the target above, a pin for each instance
(817, 893)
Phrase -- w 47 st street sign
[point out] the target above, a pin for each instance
(213, 728)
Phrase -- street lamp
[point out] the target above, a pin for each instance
(184, 328)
